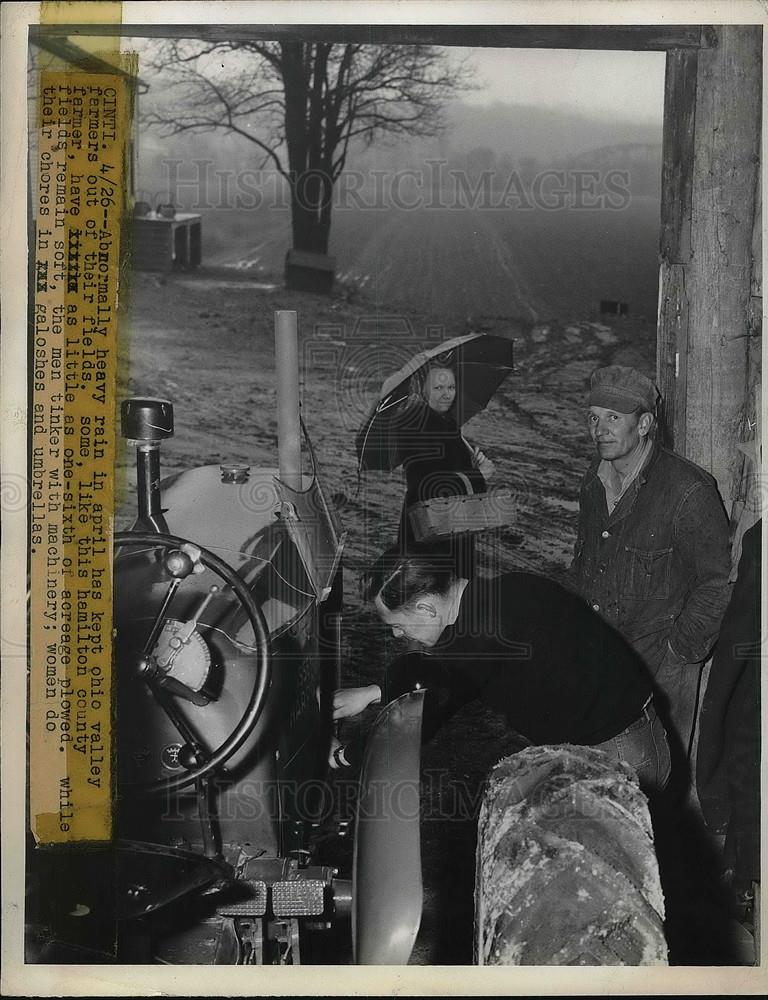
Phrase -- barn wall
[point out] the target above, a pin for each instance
(710, 233)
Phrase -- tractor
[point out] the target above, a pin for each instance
(227, 632)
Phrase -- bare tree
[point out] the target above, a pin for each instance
(301, 104)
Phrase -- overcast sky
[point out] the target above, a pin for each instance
(627, 85)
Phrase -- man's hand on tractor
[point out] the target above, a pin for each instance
(336, 757)
(348, 702)
(343, 755)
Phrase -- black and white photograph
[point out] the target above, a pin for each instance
(382, 491)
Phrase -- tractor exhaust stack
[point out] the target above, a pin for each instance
(288, 420)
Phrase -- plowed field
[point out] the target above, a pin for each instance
(469, 262)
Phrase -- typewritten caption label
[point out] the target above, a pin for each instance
(80, 156)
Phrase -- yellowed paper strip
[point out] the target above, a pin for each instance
(79, 169)
(81, 12)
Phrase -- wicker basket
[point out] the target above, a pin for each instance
(458, 515)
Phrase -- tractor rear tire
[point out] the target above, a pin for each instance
(566, 870)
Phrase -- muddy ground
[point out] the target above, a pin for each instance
(204, 339)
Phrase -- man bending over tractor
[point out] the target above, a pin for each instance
(525, 647)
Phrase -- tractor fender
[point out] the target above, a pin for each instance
(387, 887)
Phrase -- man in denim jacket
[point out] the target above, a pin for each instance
(652, 554)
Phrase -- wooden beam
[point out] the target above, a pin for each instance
(72, 54)
(559, 36)
(672, 354)
(677, 155)
(675, 240)
(720, 274)
(755, 319)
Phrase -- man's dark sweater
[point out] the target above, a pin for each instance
(536, 653)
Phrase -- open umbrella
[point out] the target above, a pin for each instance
(480, 362)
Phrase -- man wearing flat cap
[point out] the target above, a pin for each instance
(652, 554)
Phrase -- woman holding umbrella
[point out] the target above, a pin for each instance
(416, 422)
(437, 459)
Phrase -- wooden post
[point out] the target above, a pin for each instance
(676, 174)
(705, 301)
(756, 304)
(749, 500)
(676, 202)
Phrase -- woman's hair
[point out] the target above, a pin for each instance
(419, 378)
(400, 578)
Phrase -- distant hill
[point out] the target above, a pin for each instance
(544, 133)
(641, 160)
(509, 134)
(629, 152)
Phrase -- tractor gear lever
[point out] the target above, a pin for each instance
(183, 632)
(183, 561)
(189, 627)
(179, 563)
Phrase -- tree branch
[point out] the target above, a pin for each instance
(311, 98)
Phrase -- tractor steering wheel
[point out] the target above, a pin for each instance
(257, 700)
